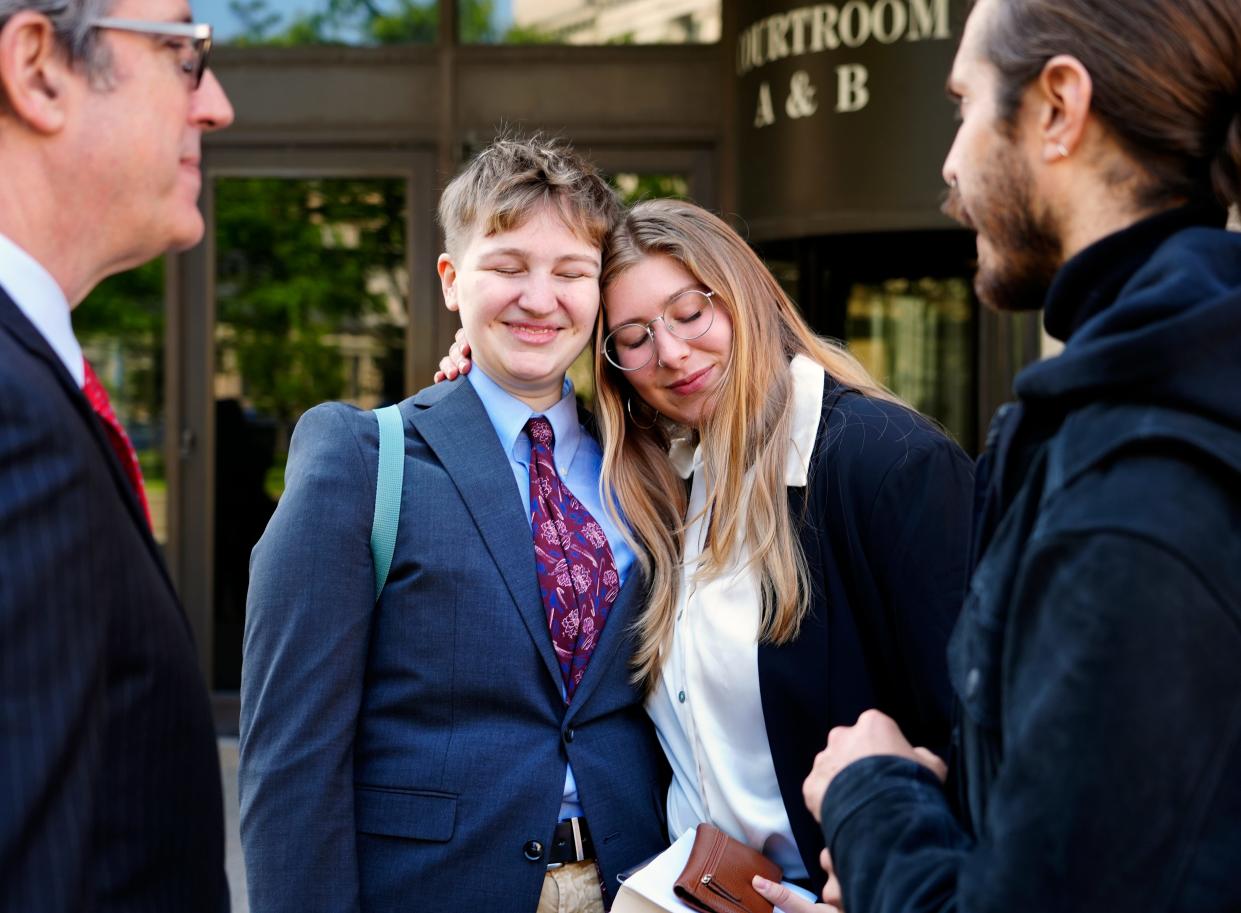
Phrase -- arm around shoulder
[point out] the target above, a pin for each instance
(307, 624)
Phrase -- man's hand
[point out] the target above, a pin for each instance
(873, 734)
(457, 361)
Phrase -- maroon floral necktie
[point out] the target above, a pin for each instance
(577, 574)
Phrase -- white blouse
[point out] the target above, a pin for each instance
(707, 709)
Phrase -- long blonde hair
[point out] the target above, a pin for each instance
(747, 430)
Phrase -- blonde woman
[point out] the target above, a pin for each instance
(804, 534)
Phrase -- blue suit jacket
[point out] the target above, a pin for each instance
(109, 778)
(403, 755)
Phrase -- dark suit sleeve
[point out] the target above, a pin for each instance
(1122, 727)
(307, 623)
(917, 541)
(52, 663)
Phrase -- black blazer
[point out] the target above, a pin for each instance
(884, 524)
(109, 778)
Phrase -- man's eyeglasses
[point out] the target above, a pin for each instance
(687, 316)
(197, 45)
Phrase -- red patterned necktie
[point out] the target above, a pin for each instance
(122, 446)
(576, 570)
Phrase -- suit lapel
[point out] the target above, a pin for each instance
(460, 432)
(25, 333)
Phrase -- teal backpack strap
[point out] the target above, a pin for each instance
(388, 485)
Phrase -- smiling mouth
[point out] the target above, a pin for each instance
(533, 333)
(691, 384)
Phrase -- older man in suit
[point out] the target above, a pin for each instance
(109, 782)
(472, 740)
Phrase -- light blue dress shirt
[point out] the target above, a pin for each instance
(579, 461)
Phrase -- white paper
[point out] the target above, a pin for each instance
(655, 880)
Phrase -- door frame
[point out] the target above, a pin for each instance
(190, 340)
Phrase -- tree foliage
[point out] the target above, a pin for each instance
(302, 265)
(375, 23)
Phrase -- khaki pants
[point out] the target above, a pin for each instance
(572, 888)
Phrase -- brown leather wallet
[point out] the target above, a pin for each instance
(717, 878)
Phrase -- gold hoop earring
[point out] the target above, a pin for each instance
(633, 418)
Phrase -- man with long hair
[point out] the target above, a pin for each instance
(1096, 763)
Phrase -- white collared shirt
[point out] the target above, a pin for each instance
(707, 708)
(37, 295)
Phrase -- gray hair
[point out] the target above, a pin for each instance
(72, 20)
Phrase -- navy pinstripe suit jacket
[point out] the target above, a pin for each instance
(109, 779)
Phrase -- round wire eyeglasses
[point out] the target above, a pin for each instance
(687, 316)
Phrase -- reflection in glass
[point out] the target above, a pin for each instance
(287, 23)
(121, 329)
(916, 337)
(588, 21)
(312, 293)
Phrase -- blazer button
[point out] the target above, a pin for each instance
(568, 734)
(533, 850)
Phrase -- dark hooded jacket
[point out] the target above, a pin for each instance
(1096, 760)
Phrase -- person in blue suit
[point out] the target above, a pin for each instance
(471, 740)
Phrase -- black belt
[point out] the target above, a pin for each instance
(570, 843)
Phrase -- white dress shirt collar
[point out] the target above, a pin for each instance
(37, 296)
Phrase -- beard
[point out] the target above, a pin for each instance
(1024, 242)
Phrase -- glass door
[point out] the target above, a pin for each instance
(312, 304)
(306, 290)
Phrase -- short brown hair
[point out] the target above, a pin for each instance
(513, 177)
(1166, 78)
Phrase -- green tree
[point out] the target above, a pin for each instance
(371, 22)
(123, 318)
(296, 267)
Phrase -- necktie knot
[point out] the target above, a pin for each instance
(540, 431)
